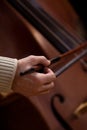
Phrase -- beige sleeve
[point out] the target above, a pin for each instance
(8, 68)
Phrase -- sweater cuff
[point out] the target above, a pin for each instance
(8, 68)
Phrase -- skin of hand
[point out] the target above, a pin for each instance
(35, 83)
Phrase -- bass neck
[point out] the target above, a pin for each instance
(51, 29)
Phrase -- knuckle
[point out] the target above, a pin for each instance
(53, 75)
(32, 58)
(52, 84)
(43, 57)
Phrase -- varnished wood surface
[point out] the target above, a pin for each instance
(19, 39)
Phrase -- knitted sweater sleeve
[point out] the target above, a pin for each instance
(8, 68)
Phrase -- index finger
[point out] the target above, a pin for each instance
(39, 60)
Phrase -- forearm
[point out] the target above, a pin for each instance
(8, 68)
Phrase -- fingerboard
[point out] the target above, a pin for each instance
(52, 30)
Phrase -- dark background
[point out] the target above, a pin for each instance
(80, 7)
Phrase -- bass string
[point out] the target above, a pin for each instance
(60, 26)
(56, 25)
(46, 27)
(73, 39)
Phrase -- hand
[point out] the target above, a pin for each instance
(35, 83)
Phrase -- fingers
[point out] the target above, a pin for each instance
(42, 78)
(36, 83)
(28, 62)
(40, 93)
(46, 87)
(42, 83)
(34, 60)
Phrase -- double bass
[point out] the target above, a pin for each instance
(19, 37)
